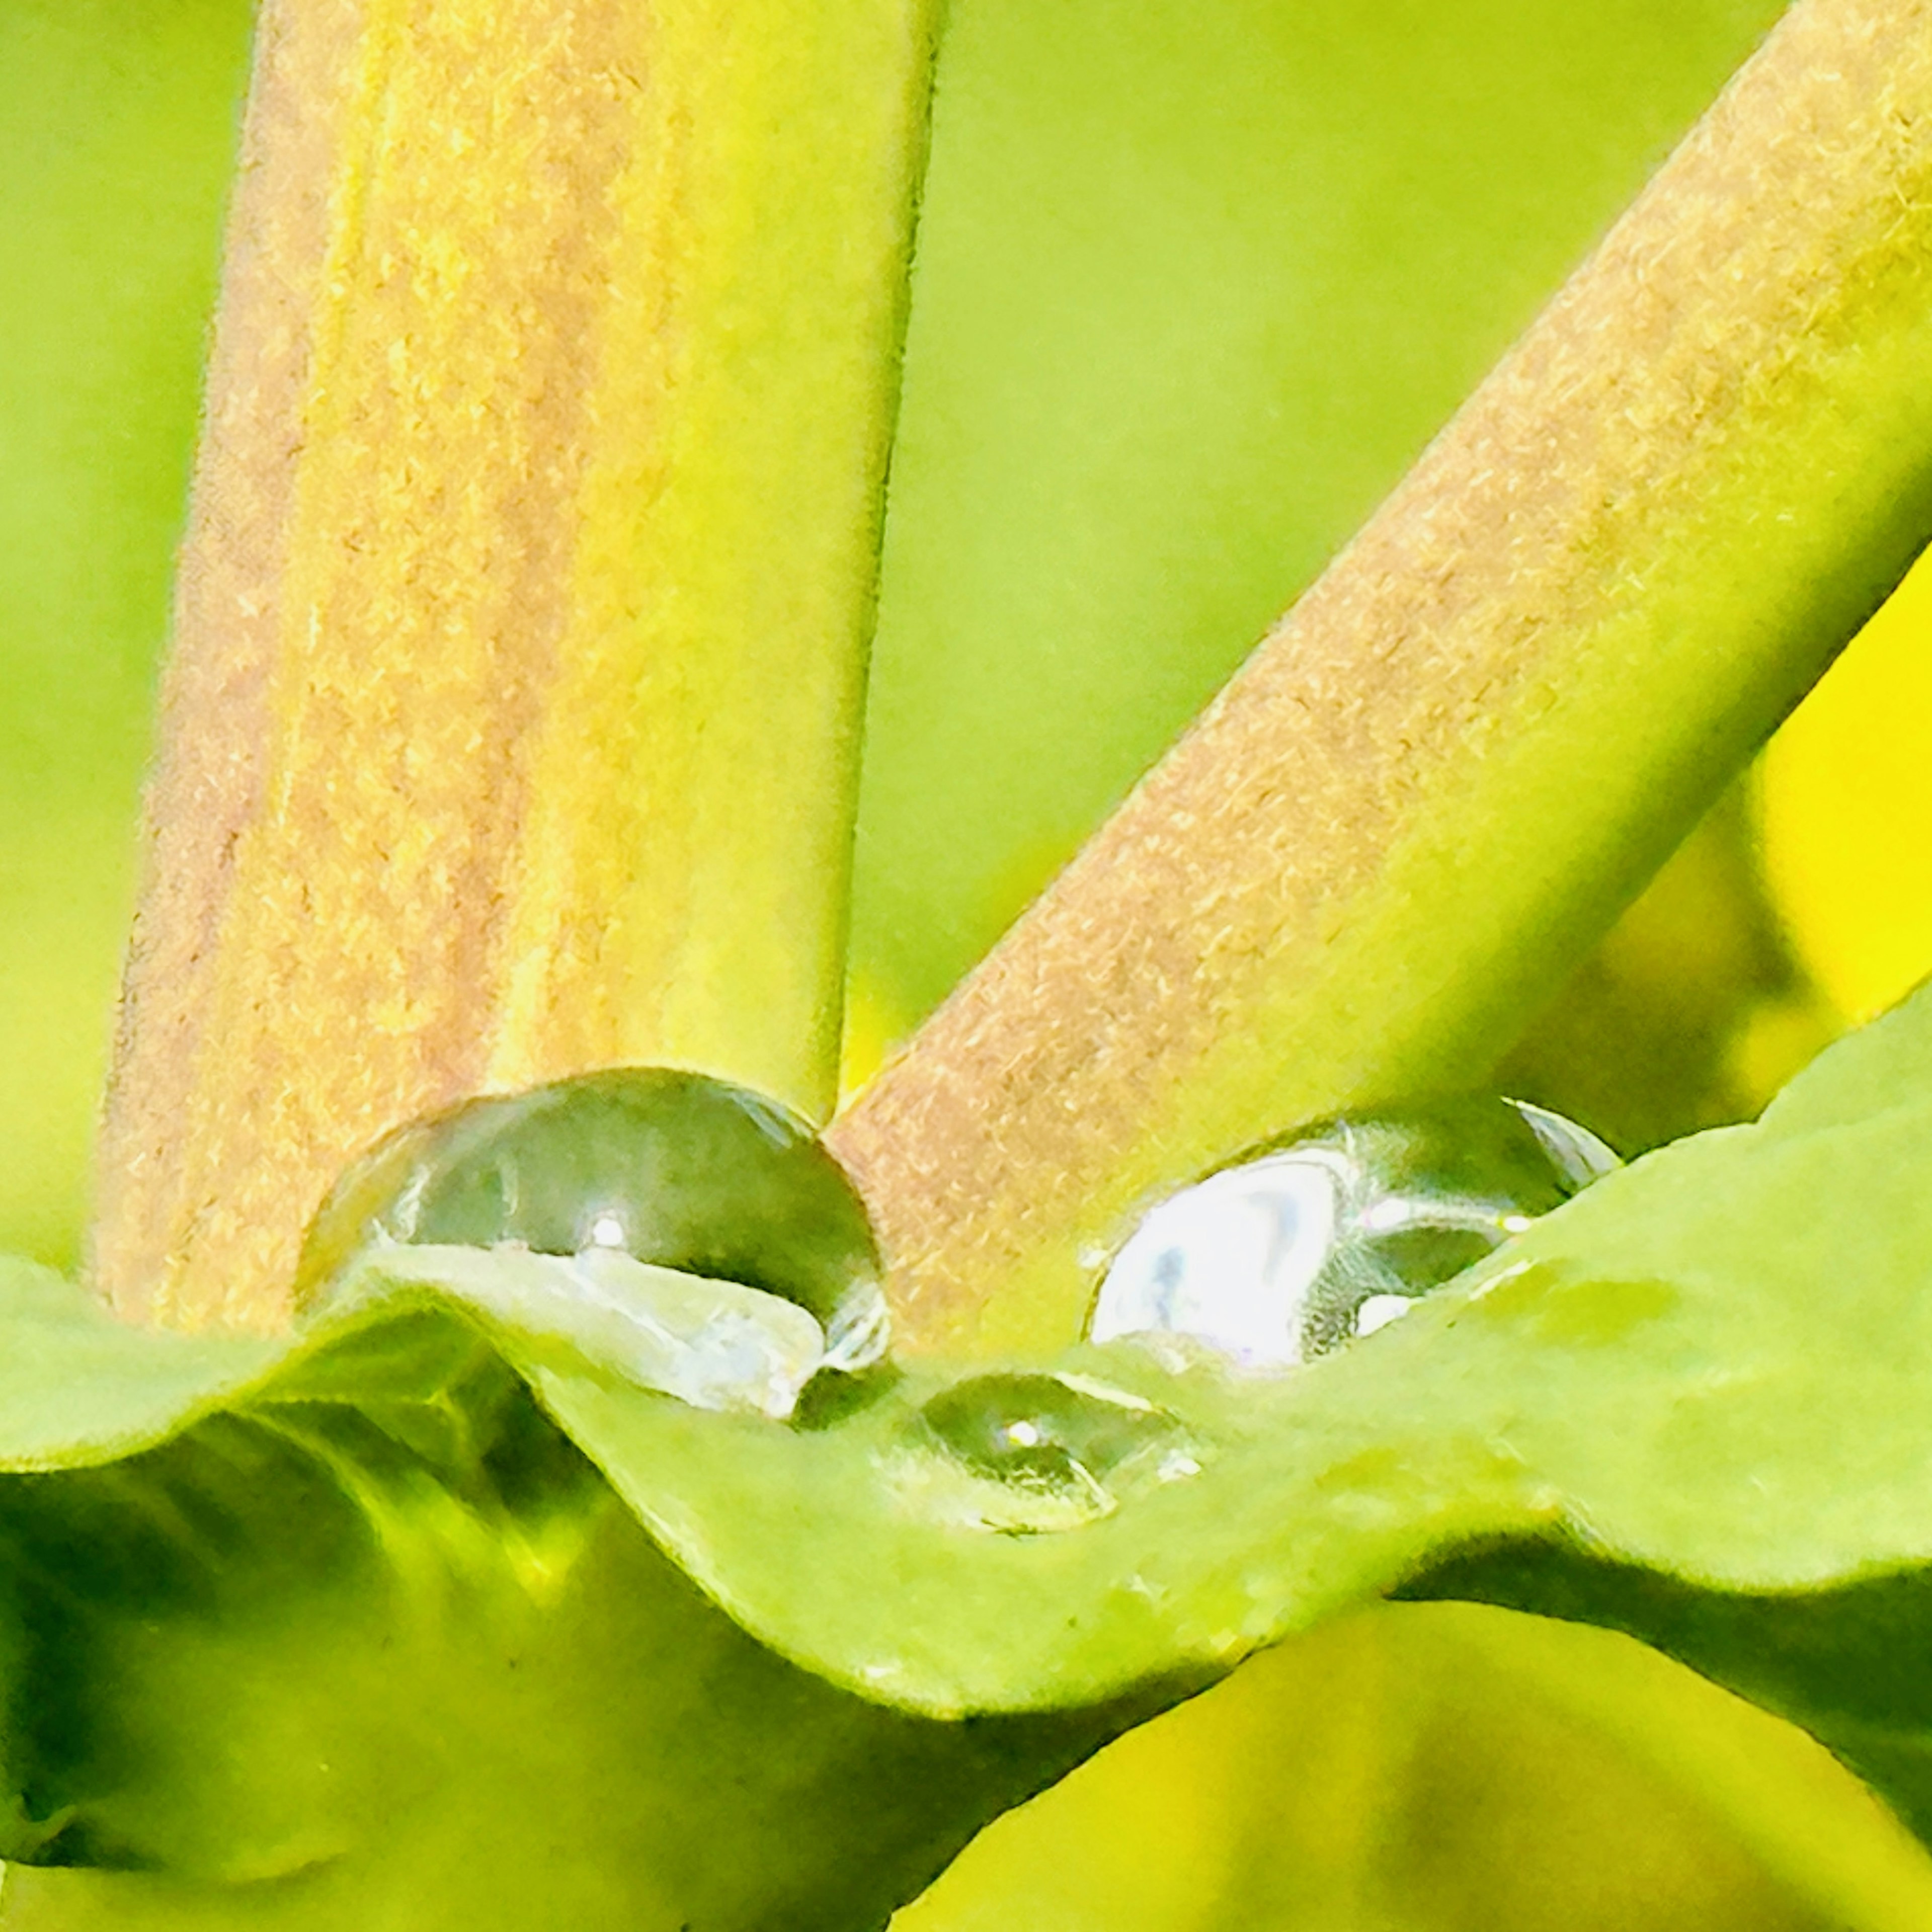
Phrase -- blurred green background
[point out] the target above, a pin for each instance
(1196, 279)
(117, 126)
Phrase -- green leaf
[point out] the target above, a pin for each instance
(330, 1576)
(312, 1659)
(1689, 1404)
(77, 1386)
(1791, 1473)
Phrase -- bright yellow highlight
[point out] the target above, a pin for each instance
(1845, 807)
(874, 1025)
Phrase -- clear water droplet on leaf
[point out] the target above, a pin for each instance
(692, 1235)
(1334, 1231)
(1030, 1452)
(1580, 1156)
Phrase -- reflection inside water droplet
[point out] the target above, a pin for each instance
(687, 1233)
(716, 1344)
(1028, 1453)
(1580, 1155)
(1377, 1311)
(1334, 1231)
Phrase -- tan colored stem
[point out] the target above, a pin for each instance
(512, 724)
(1437, 780)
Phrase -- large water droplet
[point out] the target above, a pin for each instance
(1026, 1453)
(1335, 1230)
(688, 1224)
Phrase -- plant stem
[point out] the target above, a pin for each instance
(1467, 745)
(512, 727)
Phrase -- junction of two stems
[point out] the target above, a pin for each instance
(1424, 796)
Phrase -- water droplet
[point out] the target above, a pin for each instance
(630, 1185)
(1028, 1453)
(1334, 1231)
(1579, 1155)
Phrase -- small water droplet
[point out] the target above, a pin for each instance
(633, 1183)
(1027, 1453)
(1580, 1155)
(1335, 1230)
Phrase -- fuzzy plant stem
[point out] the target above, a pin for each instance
(512, 719)
(1467, 746)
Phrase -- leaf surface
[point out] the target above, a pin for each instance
(1687, 1405)
(370, 1642)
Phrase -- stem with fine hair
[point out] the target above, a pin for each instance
(1471, 742)
(512, 721)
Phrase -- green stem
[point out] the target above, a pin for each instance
(512, 724)
(1471, 742)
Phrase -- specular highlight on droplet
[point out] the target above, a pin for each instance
(1335, 1230)
(689, 1235)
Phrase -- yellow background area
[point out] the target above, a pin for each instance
(1844, 812)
